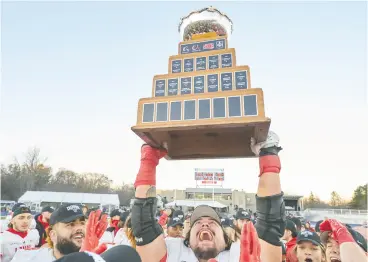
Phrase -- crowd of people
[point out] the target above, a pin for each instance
(72, 232)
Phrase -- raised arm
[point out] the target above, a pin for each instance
(349, 249)
(148, 233)
(270, 223)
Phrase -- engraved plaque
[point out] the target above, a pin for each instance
(185, 49)
(189, 65)
(173, 86)
(226, 60)
(213, 83)
(213, 62)
(175, 111)
(176, 66)
(161, 112)
(220, 44)
(241, 80)
(226, 81)
(201, 63)
(148, 110)
(250, 105)
(198, 84)
(160, 87)
(186, 85)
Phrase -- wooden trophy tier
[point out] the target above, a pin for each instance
(205, 107)
(215, 125)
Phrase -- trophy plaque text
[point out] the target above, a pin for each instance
(205, 106)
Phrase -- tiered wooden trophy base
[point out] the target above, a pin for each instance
(205, 107)
(222, 140)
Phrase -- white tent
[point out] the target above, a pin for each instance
(195, 203)
(37, 197)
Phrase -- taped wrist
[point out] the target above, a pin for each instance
(267, 151)
(144, 225)
(271, 218)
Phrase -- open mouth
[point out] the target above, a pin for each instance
(334, 259)
(205, 235)
(308, 260)
(78, 236)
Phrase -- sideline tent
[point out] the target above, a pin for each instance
(37, 197)
(195, 203)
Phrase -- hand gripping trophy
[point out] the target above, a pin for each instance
(205, 106)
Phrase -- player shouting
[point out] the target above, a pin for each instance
(206, 238)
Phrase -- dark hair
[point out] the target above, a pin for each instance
(227, 239)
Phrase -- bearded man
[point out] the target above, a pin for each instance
(69, 232)
(206, 238)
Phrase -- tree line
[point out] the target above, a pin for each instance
(33, 174)
(358, 200)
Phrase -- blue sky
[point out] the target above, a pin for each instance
(73, 72)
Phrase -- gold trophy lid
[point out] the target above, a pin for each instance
(207, 22)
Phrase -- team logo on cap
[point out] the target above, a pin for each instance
(245, 213)
(306, 233)
(176, 218)
(222, 219)
(180, 216)
(75, 208)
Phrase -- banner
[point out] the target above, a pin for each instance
(209, 176)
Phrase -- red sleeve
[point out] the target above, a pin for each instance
(163, 219)
(164, 258)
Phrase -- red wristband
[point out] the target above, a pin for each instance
(269, 163)
(147, 171)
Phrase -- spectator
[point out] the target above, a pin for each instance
(42, 223)
(298, 223)
(309, 247)
(290, 235)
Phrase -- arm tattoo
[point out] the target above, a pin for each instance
(151, 192)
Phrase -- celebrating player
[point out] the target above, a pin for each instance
(206, 238)
(18, 236)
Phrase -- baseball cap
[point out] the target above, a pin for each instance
(179, 214)
(290, 225)
(121, 253)
(310, 237)
(124, 216)
(17, 205)
(204, 211)
(66, 213)
(297, 222)
(21, 210)
(118, 253)
(47, 209)
(116, 212)
(242, 214)
(227, 222)
(173, 222)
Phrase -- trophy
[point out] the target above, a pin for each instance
(205, 107)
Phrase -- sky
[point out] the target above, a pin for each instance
(73, 72)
